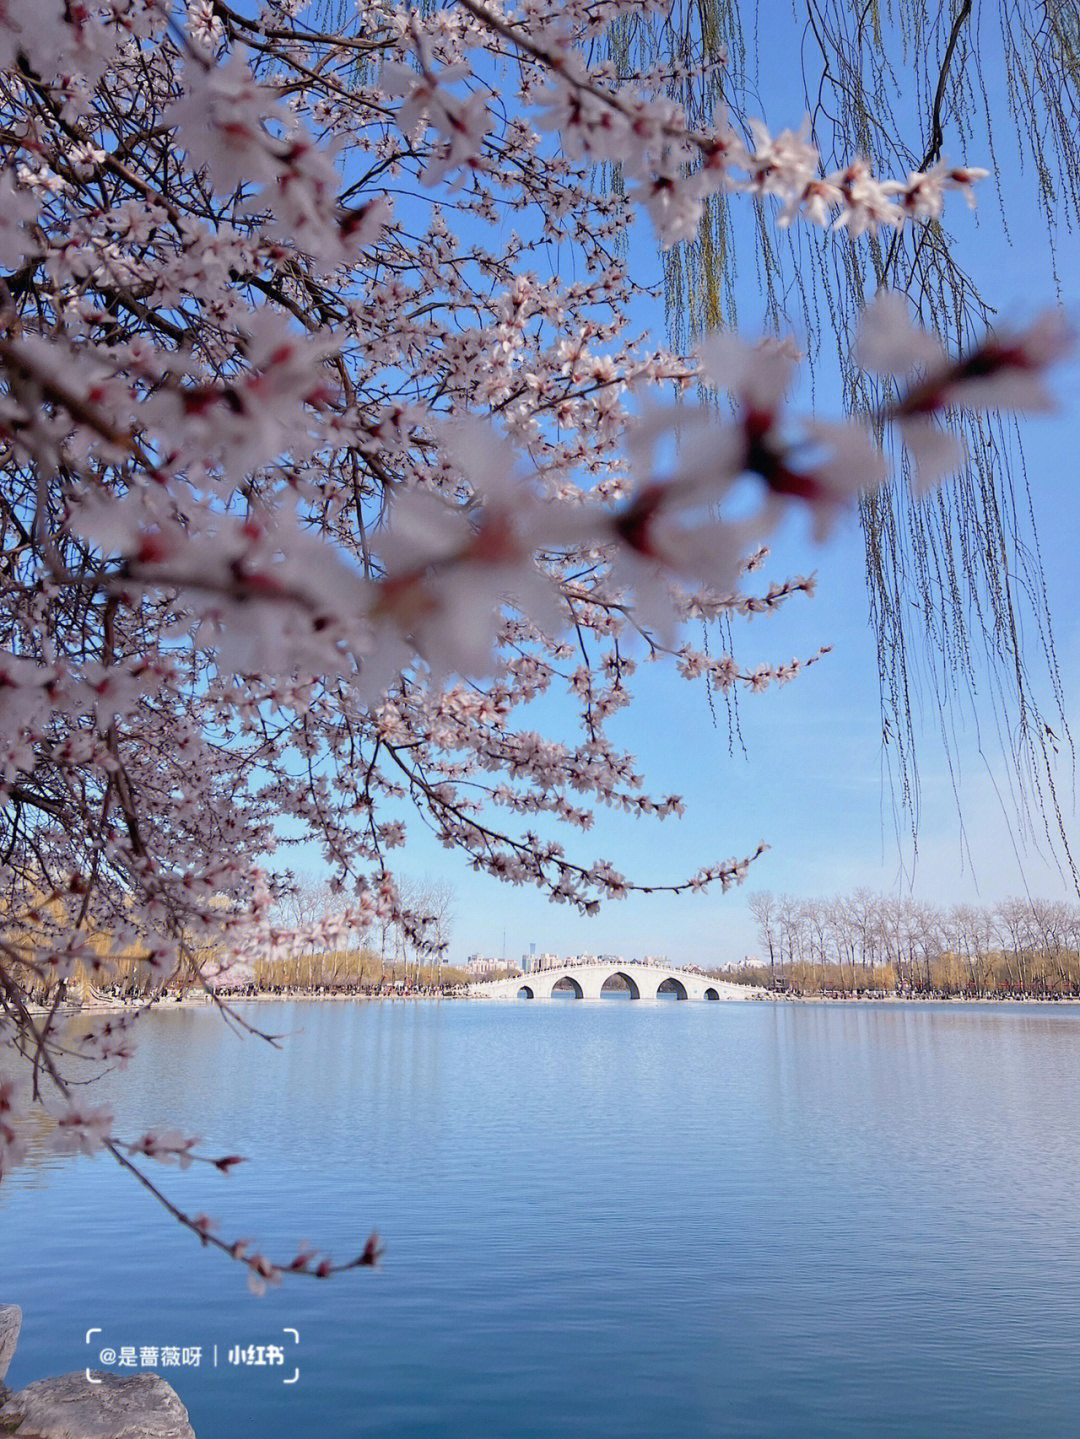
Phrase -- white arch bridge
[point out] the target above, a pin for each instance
(588, 981)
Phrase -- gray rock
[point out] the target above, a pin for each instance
(10, 1324)
(136, 1406)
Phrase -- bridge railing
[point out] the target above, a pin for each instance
(617, 964)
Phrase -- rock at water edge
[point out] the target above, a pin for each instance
(137, 1406)
(10, 1324)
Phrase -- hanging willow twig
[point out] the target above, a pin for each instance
(956, 590)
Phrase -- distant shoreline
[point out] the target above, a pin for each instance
(116, 1004)
(110, 1004)
(924, 998)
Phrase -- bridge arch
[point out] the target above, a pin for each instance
(670, 985)
(628, 981)
(711, 993)
(567, 984)
(525, 992)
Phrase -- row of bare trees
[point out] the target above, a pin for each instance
(865, 943)
(406, 948)
(390, 953)
(345, 971)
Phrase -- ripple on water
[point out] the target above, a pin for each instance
(613, 1220)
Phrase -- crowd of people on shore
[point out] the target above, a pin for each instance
(1003, 994)
(128, 994)
(381, 989)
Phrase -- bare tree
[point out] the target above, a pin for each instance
(764, 909)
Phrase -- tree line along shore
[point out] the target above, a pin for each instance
(335, 974)
(861, 945)
(870, 945)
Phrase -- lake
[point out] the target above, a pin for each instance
(610, 1220)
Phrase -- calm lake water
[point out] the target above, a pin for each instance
(602, 1220)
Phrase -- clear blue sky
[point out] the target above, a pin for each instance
(813, 782)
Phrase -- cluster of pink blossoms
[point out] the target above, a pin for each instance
(317, 470)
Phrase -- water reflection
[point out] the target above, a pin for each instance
(792, 1221)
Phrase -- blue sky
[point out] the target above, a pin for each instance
(813, 781)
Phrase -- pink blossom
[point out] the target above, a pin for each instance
(14, 1099)
(1007, 371)
(82, 1128)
